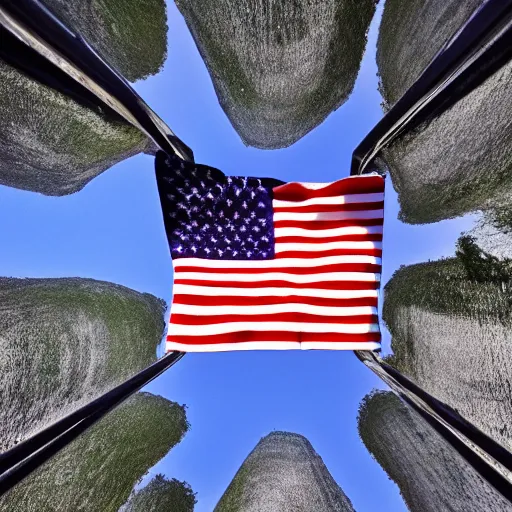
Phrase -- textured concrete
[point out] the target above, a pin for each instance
(453, 337)
(131, 35)
(64, 342)
(431, 475)
(53, 145)
(459, 162)
(283, 473)
(97, 471)
(279, 68)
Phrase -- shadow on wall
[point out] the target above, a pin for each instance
(460, 161)
(279, 68)
(430, 474)
(53, 145)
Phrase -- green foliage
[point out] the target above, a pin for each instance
(481, 266)
(64, 342)
(474, 284)
(372, 409)
(501, 218)
(246, 73)
(411, 33)
(130, 34)
(162, 495)
(99, 469)
(51, 144)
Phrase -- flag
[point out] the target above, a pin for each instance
(262, 264)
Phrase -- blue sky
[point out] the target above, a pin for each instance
(112, 230)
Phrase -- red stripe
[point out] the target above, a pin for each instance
(332, 252)
(326, 239)
(355, 185)
(348, 207)
(340, 267)
(327, 224)
(207, 300)
(247, 336)
(183, 319)
(327, 285)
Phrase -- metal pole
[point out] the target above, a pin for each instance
(44, 34)
(491, 460)
(26, 457)
(479, 49)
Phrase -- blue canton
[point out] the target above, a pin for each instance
(209, 215)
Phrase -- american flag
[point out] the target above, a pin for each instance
(259, 264)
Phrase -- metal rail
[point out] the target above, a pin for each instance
(46, 36)
(479, 49)
(27, 456)
(491, 460)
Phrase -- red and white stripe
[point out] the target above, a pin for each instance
(319, 292)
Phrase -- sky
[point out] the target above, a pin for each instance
(112, 230)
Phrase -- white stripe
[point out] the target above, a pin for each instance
(268, 309)
(229, 327)
(325, 233)
(224, 347)
(270, 345)
(219, 291)
(320, 216)
(280, 276)
(345, 199)
(341, 345)
(279, 263)
(327, 246)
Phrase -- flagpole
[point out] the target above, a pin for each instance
(24, 458)
(37, 42)
(491, 460)
(479, 49)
